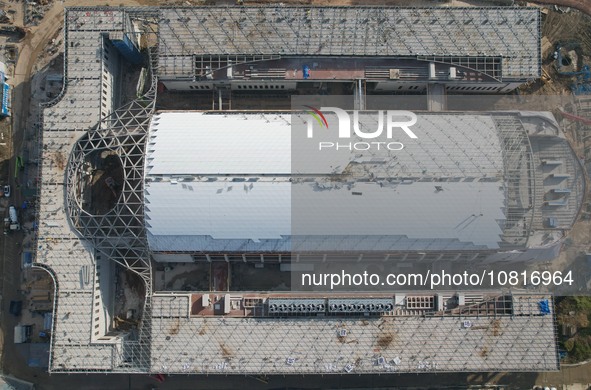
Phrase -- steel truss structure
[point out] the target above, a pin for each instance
(491, 40)
(520, 180)
(120, 234)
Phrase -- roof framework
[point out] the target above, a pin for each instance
(521, 198)
(501, 42)
(75, 127)
(493, 334)
(70, 240)
(120, 232)
(462, 152)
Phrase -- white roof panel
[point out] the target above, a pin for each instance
(237, 192)
(192, 216)
(222, 210)
(207, 143)
(210, 144)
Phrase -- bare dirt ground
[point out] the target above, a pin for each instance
(129, 295)
(560, 28)
(582, 5)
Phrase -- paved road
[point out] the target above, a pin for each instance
(196, 382)
(406, 381)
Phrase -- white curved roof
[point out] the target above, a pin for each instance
(222, 182)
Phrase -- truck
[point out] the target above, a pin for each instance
(22, 333)
(11, 222)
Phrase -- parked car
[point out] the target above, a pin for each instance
(7, 191)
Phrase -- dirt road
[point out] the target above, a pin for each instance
(582, 5)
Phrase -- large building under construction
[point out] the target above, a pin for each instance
(125, 187)
(480, 187)
(478, 50)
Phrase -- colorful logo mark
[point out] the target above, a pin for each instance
(317, 114)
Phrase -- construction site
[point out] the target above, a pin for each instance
(169, 243)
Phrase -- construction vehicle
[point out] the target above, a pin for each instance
(563, 55)
(582, 85)
(11, 222)
(22, 333)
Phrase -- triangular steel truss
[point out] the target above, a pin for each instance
(120, 234)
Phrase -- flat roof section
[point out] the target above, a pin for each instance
(197, 145)
(189, 143)
(512, 34)
(223, 182)
(217, 210)
(263, 216)
(310, 345)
